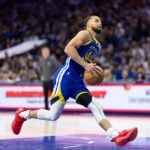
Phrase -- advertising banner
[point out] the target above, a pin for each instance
(118, 98)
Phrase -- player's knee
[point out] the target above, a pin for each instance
(97, 110)
(92, 107)
(52, 116)
(97, 103)
(54, 100)
(84, 99)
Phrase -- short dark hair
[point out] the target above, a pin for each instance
(86, 20)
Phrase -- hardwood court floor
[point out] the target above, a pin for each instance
(73, 131)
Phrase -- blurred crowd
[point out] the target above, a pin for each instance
(125, 40)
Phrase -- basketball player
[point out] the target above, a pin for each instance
(68, 82)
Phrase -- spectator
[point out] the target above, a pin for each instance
(125, 39)
(108, 76)
(140, 74)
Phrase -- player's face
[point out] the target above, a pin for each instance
(96, 24)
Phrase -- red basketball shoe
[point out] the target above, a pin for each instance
(125, 136)
(18, 121)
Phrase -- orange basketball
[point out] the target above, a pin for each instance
(95, 76)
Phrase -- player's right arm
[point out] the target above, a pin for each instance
(70, 49)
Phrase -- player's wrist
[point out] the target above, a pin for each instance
(84, 65)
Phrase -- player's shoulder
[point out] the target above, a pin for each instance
(84, 34)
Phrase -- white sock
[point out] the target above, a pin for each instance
(112, 132)
(25, 114)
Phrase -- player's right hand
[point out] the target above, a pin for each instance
(90, 66)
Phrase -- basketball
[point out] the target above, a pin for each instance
(95, 76)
